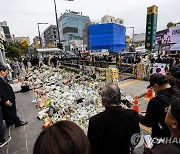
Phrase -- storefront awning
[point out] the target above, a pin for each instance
(48, 50)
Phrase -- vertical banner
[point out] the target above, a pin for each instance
(141, 71)
(151, 26)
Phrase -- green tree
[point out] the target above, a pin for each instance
(12, 52)
(17, 49)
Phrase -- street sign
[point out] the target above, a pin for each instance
(151, 26)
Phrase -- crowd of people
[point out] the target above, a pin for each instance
(118, 58)
(110, 131)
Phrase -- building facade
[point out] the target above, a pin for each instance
(108, 36)
(2, 49)
(111, 19)
(6, 31)
(20, 39)
(51, 36)
(139, 39)
(86, 34)
(36, 40)
(71, 26)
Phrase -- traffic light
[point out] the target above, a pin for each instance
(60, 45)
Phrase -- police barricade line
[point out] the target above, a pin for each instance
(138, 71)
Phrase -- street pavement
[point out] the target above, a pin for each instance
(134, 87)
(23, 138)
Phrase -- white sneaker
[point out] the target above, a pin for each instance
(7, 139)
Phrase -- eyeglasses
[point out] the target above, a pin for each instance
(167, 111)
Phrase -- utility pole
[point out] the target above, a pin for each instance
(40, 33)
(57, 24)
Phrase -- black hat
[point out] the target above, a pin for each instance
(157, 78)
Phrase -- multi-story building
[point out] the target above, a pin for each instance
(139, 39)
(20, 39)
(71, 26)
(6, 31)
(36, 40)
(111, 19)
(2, 43)
(86, 34)
(50, 35)
(109, 36)
(105, 19)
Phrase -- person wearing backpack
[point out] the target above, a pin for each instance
(155, 115)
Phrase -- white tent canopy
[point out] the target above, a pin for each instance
(175, 47)
(48, 50)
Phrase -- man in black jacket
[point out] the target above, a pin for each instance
(110, 132)
(155, 115)
(8, 101)
(172, 144)
(3, 140)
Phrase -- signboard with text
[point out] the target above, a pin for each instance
(162, 37)
(151, 26)
(174, 34)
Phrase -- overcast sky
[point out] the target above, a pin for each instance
(22, 16)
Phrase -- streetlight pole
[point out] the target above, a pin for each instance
(57, 24)
(39, 35)
(39, 32)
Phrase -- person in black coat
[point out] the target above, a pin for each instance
(8, 101)
(172, 120)
(155, 115)
(110, 132)
(3, 140)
